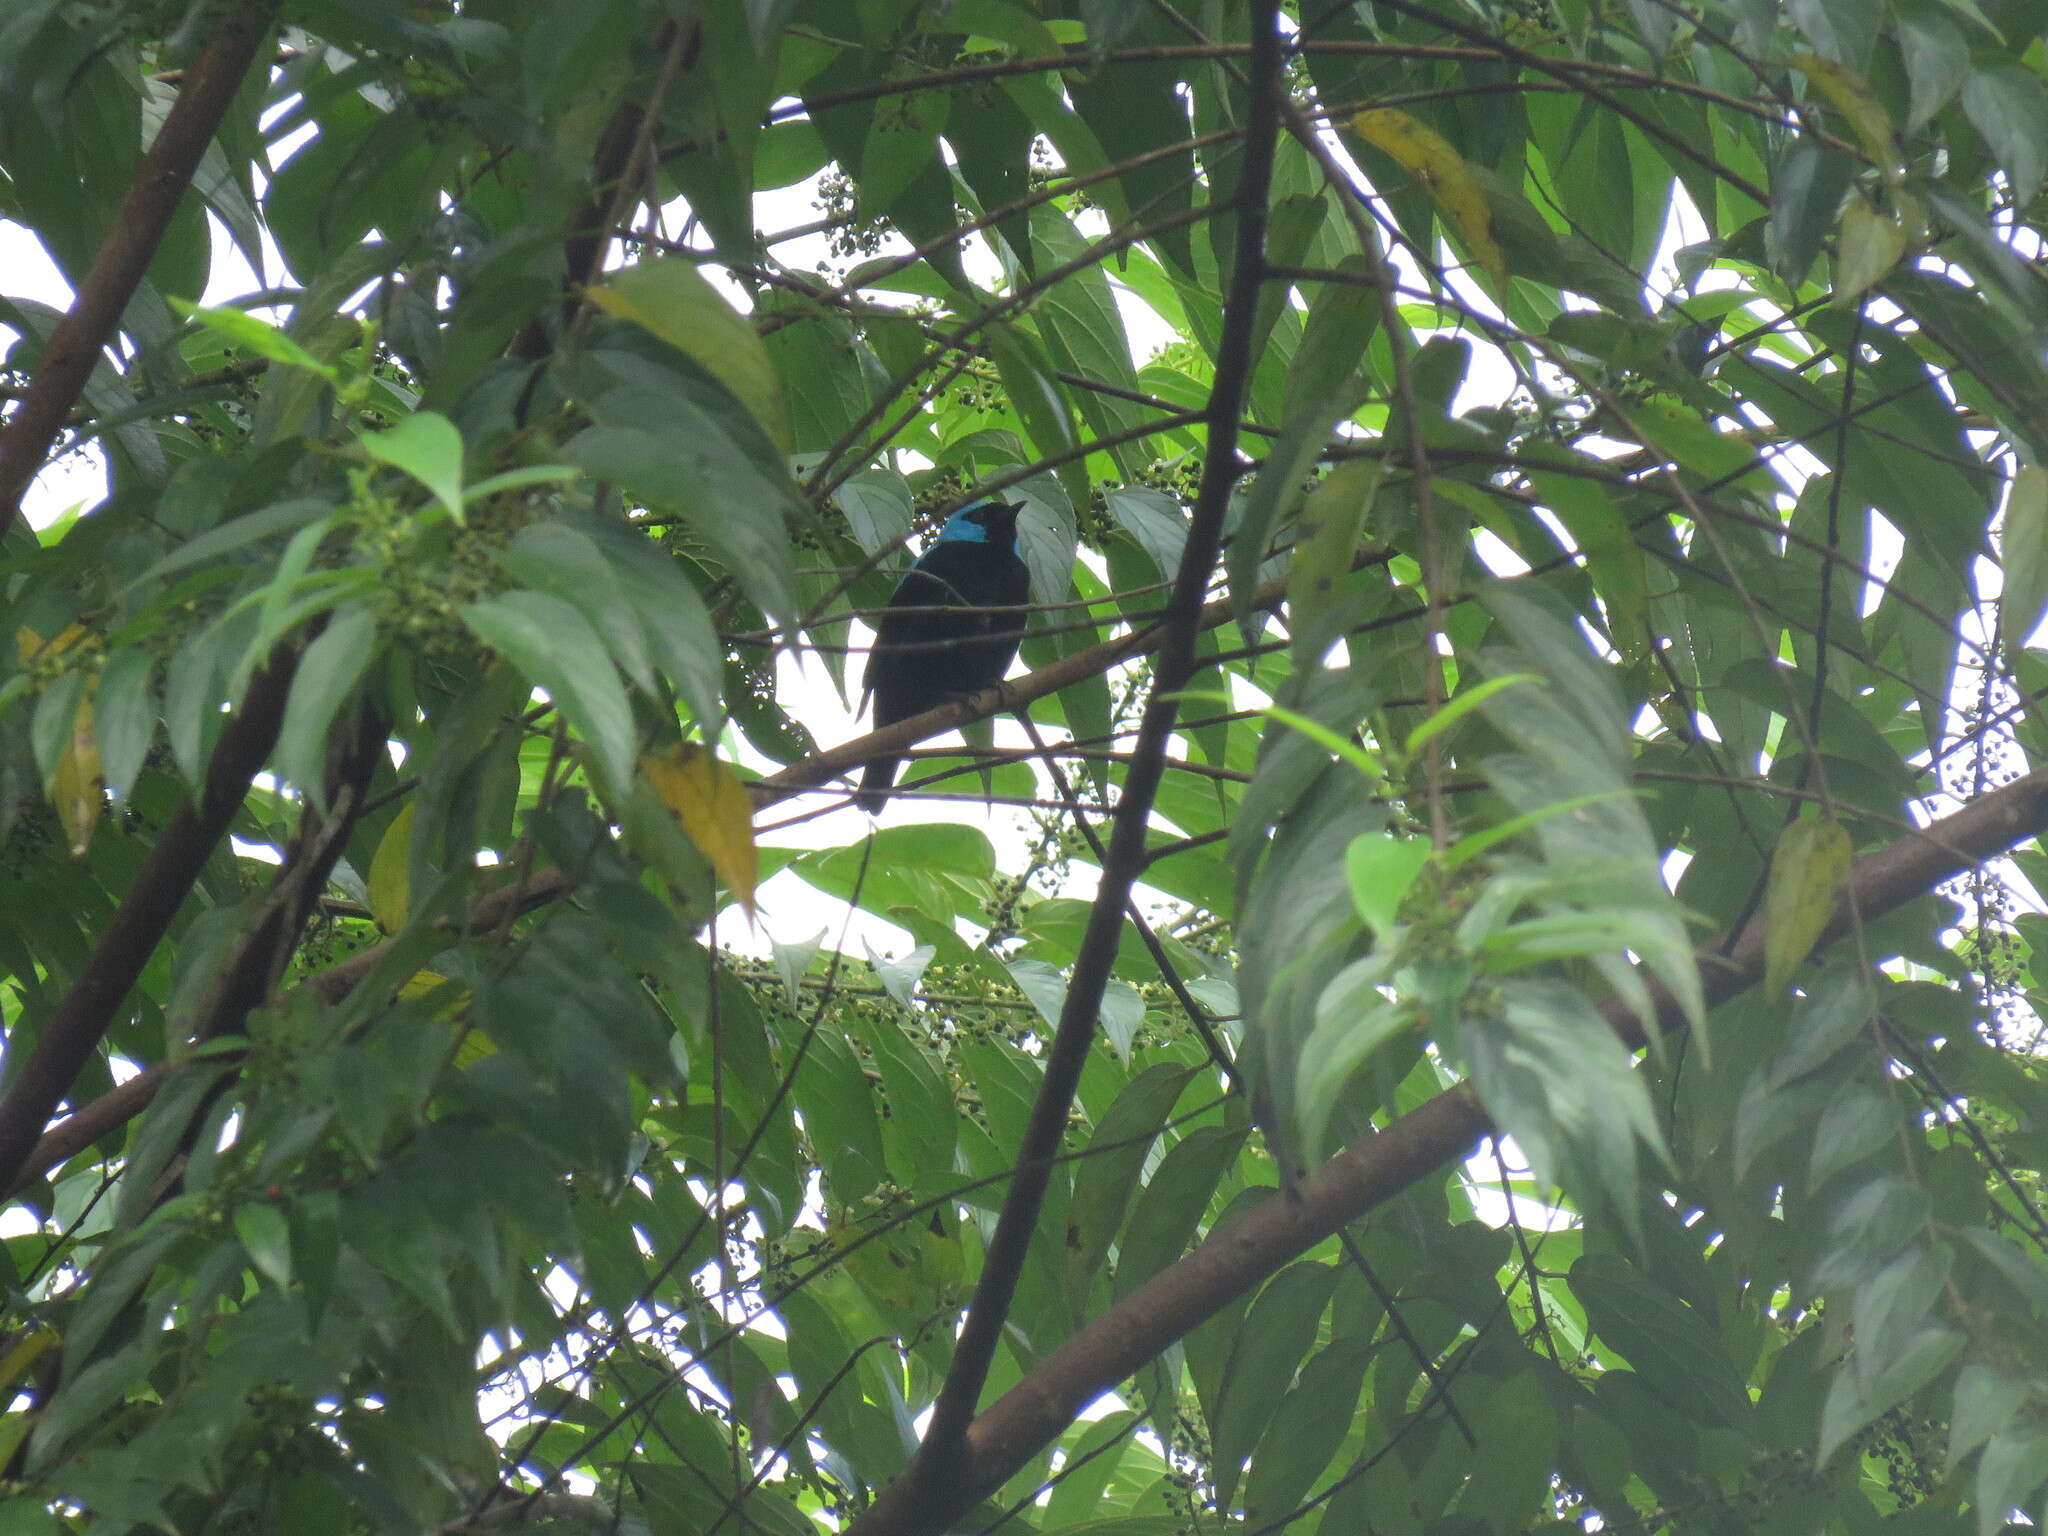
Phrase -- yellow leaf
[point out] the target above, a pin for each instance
(1808, 868)
(451, 1001)
(714, 808)
(1850, 94)
(671, 298)
(29, 645)
(75, 787)
(390, 880)
(1429, 157)
(426, 983)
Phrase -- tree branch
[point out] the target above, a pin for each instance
(73, 349)
(1372, 1170)
(74, 1030)
(934, 1475)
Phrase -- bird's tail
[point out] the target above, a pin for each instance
(875, 782)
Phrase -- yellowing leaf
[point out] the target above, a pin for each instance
(1850, 94)
(451, 1001)
(1807, 870)
(28, 644)
(390, 879)
(671, 298)
(714, 808)
(1429, 157)
(475, 1046)
(427, 983)
(75, 788)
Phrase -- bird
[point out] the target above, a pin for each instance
(952, 626)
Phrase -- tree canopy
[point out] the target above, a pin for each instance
(1479, 979)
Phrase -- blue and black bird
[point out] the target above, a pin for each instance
(951, 628)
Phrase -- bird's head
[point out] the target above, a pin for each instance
(985, 522)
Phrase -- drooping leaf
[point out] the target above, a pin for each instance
(1807, 870)
(714, 808)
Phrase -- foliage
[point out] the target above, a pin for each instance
(1560, 488)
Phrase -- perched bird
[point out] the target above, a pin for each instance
(952, 626)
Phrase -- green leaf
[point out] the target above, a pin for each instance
(1039, 402)
(1106, 1179)
(1893, 1304)
(648, 580)
(671, 299)
(1872, 1225)
(1555, 1076)
(1808, 869)
(921, 1129)
(1046, 539)
(1342, 319)
(724, 499)
(2009, 106)
(1673, 1348)
(1806, 188)
(210, 546)
(1332, 518)
(1352, 1020)
(266, 1237)
(1173, 1202)
(328, 672)
(1857, 1121)
(1094, 1457)
(1849, 1406)
(2023, 551)
(1589, 514)
(555, 647)
(1843, 30)
(1836, 1006)
(426, 446)
(243, 329)
(516, 479)
(2013, 1465)
(1306, 1429)
(1381, 869)
(1868, 245)
(1936, 57)
(1277, 1333)
(124, 715)
(1083, 334)
(878, 509)
(1272, 499)
(557, 559)
(1987, 1402)
(1156, 521)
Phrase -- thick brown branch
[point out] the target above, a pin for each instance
(73, 349)
(73, 1032)
(1365, 1174)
